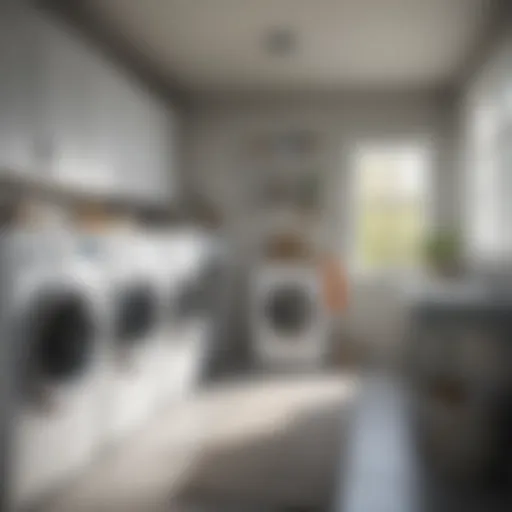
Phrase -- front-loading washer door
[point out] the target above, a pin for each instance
(137, 313)
(288, 310)
(60, 332)
(187, 303)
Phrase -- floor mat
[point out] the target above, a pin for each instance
(279, 444)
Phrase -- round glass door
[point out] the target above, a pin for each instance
(288, 309)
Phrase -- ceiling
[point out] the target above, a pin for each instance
(340, 44)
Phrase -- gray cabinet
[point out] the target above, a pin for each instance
(18, 89)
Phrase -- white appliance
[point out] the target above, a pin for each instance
(188, 323)
(162, 270)
(55, 319)
(288, 318)
(134, 351)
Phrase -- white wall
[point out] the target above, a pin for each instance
(219, 127)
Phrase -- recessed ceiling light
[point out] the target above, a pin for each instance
(281, 41)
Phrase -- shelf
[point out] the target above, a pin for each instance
(16, 185)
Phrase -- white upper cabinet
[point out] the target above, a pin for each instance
(70, 116)
(133, 133)
(154, 143)
(165, 142)
(105, 130)
(18, 89)
(72, 101)
(140, 142)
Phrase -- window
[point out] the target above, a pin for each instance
(390, 194)
(484, 208)
(489, 207)
(488, 160)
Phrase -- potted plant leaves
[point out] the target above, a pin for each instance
(443, 252)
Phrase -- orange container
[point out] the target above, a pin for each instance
(335, 285)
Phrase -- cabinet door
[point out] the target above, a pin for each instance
(72, 104)
(165, 148)
(105, 120)
(137, 135)
(103, 131)
(172, 142)
(125, 137)
(155, 145)
(18, 88)
(141, 133)
(150, 148)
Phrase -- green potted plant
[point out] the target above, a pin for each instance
(443, 252)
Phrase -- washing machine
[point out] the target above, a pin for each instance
(55, 323)
(187, 254)
(289, 323)
(162, 268)
(135, 345)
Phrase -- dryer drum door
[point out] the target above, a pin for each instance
(61, 333)
(288, 309)
(197, 296)
(187, 303)
(137, 312)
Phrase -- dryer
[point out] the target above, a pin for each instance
(55, 323)
(134, 351)
(288, 318)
